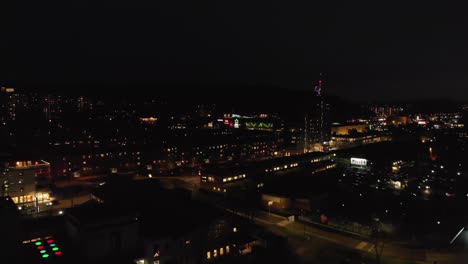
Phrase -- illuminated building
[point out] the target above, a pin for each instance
(12, 103)
(349, 141)
(353, 135)
(398, 120)
(26, 183)
(258, 122)
(53, 107)
(221, 179)
(385, 110)
(8, 107)
(148, 120)
(317, 123)
(84, 104)
(348, 129)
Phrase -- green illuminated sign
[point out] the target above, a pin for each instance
(258, 125)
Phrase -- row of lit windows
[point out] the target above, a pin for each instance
(283, 167)
(219, 189)
(324, 168)
(102, 155)
(30, 198)
(209, 255)
(228, 179)
(217, 147)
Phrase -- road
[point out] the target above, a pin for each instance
(310, 243)
(307, 240)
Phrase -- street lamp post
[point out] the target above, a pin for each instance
(304, 225)
(270, 203)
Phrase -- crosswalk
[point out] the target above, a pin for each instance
(365, 246)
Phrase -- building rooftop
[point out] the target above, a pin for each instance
(7, 206)
(27, 164)
(260, 166)
(94, 213)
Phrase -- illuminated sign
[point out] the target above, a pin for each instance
(259, 125)
(359, 162)
(236, 123)
(226, 121)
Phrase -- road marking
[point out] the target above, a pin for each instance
(284, 223)
(361, 245)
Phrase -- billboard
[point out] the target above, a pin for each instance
(259, 125)
(358, 161)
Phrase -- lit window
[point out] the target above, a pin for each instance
(234, 230)
(227, 249)
(221, 251)
(215, 253)
(208, 255)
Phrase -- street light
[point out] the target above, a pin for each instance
(270, 203)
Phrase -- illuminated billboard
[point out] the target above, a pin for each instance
(359, 162)
(259, 125)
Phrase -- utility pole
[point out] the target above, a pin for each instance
(378, 240)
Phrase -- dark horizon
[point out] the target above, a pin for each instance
(207, 90)
(365, 51)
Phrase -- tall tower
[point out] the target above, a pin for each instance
(317, 130)
(321, 106)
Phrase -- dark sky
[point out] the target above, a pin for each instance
(366, 49)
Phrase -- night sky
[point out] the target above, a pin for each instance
(366, 50)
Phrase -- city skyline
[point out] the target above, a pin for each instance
(211, 132)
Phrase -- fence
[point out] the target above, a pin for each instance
(349, 227)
